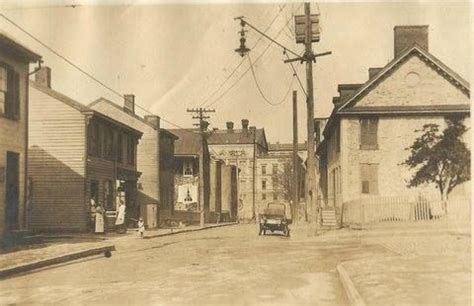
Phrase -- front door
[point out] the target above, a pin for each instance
(12, 190)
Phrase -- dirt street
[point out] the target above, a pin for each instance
(230, 265)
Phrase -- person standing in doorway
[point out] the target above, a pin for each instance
(92, 214)
(120, 221)
(99, 220)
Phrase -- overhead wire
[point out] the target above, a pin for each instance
(243, 59)
(260, 89)
(82, 70)
(256, 60)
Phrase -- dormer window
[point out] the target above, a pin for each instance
(188, 168)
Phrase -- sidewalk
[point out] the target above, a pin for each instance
(71, 247)
(430, 266)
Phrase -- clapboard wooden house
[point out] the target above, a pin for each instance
(77, 154)
(14, 66)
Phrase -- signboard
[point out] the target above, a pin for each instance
(300, 28)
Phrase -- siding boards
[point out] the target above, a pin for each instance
(56, 164)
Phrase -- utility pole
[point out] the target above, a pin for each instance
(311, 159)
(304, 33)
(203, 124)
(296, 183)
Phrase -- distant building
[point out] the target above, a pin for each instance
(373, 123)
(241, 147)
(76, 157)
(187, 176)
(274, 180)
(155, 158)
(14, 68)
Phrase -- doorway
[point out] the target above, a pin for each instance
(12, 184)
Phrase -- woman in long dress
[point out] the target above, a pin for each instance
(99, 220)
(120, 221)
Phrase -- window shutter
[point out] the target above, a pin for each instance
(372, 132)
(363, 131)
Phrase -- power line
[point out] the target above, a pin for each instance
(260, 90)
(248, 69)
(280, 9)
(80, 69)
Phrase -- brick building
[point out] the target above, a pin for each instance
(155, 158)
(373, 123)
(76, 154)
(241, 147)
(14, 68)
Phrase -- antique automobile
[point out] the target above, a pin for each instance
(274, 219)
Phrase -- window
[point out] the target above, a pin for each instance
(264, 196)
(369, 178)
(338, 137)
(274, 168)
(264, 185)
(187, 168)
(9, 92)
(93, 137)
(109, 195)
(275, 196)
(130, 150)
(264, 169)
(108, 143)
(120, 147)
(368, 133)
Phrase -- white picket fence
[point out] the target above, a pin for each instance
(380, 209)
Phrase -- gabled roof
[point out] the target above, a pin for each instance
(78, 106)
(455, 79)
(444, 70)
(189, 142)
(238, 136)
(106, 101)
(9, 45)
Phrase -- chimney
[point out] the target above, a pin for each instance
(373, 72)
(245, 124)
(230, 126)
(43, 77)
(154, 120)
(129, 103)
(406, 36)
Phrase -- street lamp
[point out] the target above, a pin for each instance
(242, 50)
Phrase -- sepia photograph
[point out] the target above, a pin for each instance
(235, 152)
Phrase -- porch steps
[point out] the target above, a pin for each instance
(329, 218)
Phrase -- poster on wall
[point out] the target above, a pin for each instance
(187, 198)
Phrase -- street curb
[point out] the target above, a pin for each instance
(189, 230)
(352, 294)
(21, 268)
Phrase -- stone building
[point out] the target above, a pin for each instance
(155, 158)
(373, 123)
(77, 157)
(14, 68)
(241, 147)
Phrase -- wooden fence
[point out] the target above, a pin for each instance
(380, 209)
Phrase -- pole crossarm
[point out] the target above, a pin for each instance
(307, 57)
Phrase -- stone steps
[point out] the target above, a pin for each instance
(329, 218)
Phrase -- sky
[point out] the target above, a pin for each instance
(176, 56)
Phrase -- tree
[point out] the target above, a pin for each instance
(439, 158)
(282, 183)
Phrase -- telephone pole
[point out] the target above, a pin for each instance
(311, 159)
(202, 124)
(296, 175)
(304, 33)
